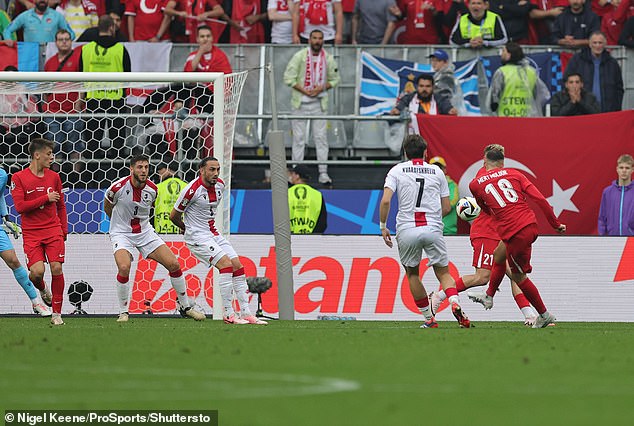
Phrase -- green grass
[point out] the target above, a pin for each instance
(325, 372)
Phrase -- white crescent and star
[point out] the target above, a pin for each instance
(146, 9)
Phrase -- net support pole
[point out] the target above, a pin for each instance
(281, 225)
(221, 153)
(281, 217)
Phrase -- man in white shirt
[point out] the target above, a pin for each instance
(423, 199)
(128, 202)
(195, 214)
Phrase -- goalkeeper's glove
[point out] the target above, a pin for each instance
(11, 228)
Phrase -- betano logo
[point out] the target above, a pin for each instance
(317, 296)
(349, 289)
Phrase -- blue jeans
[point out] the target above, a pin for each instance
(66, 133)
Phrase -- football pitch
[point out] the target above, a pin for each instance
(324, 372)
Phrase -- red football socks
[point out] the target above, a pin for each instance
(57, 288)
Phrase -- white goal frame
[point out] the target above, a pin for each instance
(129, 79)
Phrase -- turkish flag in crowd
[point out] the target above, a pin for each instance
(570, 159)
(250, 33)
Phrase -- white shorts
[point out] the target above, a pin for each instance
(212, 250)
(145, 243)
(412, 241)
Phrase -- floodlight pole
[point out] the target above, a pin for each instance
(281, 218)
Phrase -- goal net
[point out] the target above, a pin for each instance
(98, 121)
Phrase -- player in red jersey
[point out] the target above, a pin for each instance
(485, 240)
(502, 193)
(38, 197)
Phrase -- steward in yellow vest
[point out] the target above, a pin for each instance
(105, 55)
(169, 189)
(479, 28)
(516, 90)
(307, 207)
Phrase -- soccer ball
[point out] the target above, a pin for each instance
(467, 209)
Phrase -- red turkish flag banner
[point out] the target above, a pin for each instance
(569, 159)
(250, 33)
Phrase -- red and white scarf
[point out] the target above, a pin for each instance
(315, 11)
(315, 70)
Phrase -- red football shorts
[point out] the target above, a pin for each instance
(519, 248)
(483, 249)
(48, 249)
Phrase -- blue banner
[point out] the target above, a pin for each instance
(350, 212)
(384, 80)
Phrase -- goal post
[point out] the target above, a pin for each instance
(171, 117)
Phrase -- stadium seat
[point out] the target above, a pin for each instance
(245, 134)
(370, 139)
(284, 126)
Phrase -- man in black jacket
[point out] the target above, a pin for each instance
(423, 100)
(600, 72)
(574, 99)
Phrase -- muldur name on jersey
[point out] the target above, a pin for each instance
(492, 175)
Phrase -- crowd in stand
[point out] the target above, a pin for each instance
(475, 23)
(593, 79)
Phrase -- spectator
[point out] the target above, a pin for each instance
(614, 20)
(146, 20)
(516, 89)
(311, 72)
(627, 35)
(514, 14)
(575, 24)
(348, 10)
(479, 28)
(601, 73)
(208, 58)
(306, 205)
(450, 12)
(417, 23)
(450, 221)
(5, 20)
(92, 34)
(250, 17)
(445, 83)
(372, 22)
(39, 24)
(574, 99)
(65, 131)
(542, 20)
(424, 100)
(188, 15)
(323, 15)
(616, 213)
(167, 192)
(15, 132)
(280, 15)
(113, 57)
(80, 14)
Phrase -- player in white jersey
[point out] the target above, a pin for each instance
(423, 199)
(128, 202)
(195, 213)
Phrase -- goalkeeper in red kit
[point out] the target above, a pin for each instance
(38, 198)
(502, 193)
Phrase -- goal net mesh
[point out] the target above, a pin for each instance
(170, 121)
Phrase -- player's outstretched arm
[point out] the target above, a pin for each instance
(177, 219)
(107, 207)
(532, 191)
(384, 211)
